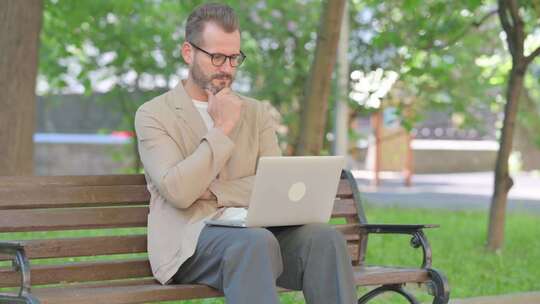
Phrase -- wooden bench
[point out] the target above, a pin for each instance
(44, 228)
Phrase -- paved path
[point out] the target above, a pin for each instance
(450, 191)
(519, 298)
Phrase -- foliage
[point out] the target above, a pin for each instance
(432, 45)
(137, 45)
(449, 55)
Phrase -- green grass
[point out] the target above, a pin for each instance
(458, 250)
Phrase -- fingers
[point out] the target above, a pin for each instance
(224, 92)
(211, 99)
(209, 93)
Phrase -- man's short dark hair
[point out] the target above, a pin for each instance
(220, 14)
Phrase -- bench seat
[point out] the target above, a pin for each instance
(149, 290)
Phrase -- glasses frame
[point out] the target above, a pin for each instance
(213, 56)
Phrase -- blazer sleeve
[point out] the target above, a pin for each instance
(237, 192)
(173, 173)
(268, 141)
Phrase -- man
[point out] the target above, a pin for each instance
(199, 144)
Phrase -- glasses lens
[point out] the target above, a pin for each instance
(218, 59)
(237, 60)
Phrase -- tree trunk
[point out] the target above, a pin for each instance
(313, 117)
(341, 121)
(503, 181)
(513, 26)
(20, 24)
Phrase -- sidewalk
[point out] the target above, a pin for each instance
(520, 298)
(454, 191)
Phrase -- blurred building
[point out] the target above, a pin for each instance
(437, 146)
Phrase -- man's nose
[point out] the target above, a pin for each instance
(226, 67)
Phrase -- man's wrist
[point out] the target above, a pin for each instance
(225, 129)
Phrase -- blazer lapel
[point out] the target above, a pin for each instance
(186, 111)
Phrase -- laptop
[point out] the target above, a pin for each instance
(288, 191)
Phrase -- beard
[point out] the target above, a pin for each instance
(214, 82)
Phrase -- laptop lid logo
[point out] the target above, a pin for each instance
(297, 191)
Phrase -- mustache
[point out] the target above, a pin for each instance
(222, 76)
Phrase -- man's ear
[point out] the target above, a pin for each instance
(187, 52)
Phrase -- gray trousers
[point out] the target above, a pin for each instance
(247, 263)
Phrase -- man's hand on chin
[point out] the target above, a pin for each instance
(224, 108)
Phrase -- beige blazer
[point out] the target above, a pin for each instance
(182, 159)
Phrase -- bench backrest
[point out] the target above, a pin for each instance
(92, 228)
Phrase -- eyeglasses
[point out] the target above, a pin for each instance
(218, 59)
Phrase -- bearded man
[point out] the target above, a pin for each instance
(199, 144)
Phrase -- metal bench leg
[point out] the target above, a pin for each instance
(397, 288)
(438, 287)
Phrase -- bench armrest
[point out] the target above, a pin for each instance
(418, 239)
(19, 262)
(394, 228)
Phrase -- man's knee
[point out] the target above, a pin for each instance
(257, 243)
(324, 235)
(260, 239)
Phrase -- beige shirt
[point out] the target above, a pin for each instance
(182, 158)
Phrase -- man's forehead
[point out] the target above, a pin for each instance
(215, 37)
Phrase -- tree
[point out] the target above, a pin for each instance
(20, 24)
(513, 25)
(450, 57)
(314, 111)
(341, 105)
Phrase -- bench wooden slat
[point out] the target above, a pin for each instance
(344, 208)
(74, 180)
(100, 196)
(84, 218)
(375, 275)
(80, 272)
(49, 192)
(102, 245)
(66, 219)
(140, 293)
(352, 237)
(344, 189)
(76, 196)
(90, 246)
(148, 290)
(85, 246)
